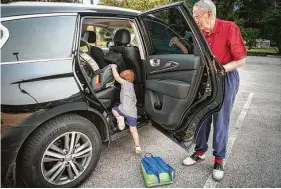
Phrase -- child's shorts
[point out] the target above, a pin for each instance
(131, 121)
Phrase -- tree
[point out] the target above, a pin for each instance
(256, 19)
(272, 26)
(261, 20)
(136, 4)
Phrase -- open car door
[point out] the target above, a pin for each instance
(182, 90)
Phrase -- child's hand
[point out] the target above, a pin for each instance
(113, 66)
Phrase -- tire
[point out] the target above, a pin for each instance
(40, 167)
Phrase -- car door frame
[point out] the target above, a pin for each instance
(193, 117)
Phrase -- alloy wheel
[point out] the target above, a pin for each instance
(66, 158)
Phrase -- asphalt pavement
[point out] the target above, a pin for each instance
(254, 151)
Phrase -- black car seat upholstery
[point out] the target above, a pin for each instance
(130, 54)
(95, 52)
(102, 80)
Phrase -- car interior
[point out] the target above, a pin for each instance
(116, 47)
(167, 68)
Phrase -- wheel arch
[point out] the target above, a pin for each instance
(78, 108)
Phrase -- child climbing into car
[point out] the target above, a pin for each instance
(127, 109)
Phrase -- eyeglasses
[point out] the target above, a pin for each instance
(198, 17)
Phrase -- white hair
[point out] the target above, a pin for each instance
(206, 5)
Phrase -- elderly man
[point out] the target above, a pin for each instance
(225, 40)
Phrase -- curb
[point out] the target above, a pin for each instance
(274, 56)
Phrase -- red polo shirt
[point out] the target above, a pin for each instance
(226, 42)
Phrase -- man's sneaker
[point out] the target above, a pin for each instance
(218, 171)
(121, 122)
(138, 150)
(194, 158)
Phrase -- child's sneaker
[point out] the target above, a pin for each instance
(121, 122)
(138, 150)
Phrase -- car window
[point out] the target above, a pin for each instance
(165, 25)
(105, 29)
(103, 37)
(39, 38)
(134, 41)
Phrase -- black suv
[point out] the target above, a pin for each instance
(56, 98)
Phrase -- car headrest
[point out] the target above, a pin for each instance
(83, 42)
(92, 37)
(122, 37)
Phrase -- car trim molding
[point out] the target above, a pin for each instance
(39, 60)
(36, 16)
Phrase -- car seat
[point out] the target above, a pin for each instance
(96, 53)
(130, 54)
(131, 57)
(102, 80)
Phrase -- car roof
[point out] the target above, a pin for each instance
(29, 8)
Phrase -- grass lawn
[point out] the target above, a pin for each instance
(262, 51)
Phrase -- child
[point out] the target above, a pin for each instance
(127, 107)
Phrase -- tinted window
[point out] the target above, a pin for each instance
(165, 25)
(39, 38)
(103, 37)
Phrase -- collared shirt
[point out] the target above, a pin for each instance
(226, 42)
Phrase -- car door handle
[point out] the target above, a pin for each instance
(169, 65)
(154, 62)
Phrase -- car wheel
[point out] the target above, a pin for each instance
(61, 153)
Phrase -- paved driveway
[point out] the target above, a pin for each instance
(254, 145)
